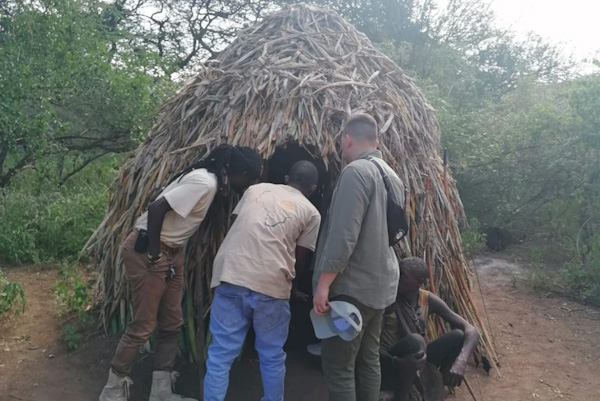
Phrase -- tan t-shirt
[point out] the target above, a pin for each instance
(189, 197)
(259, 250)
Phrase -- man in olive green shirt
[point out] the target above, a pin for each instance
(355, 263)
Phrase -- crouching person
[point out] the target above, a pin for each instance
(275, 229)
(404, 353)
(152, 256)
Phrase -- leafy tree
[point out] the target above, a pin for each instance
(59, 92)
(458, 42)
(178, 34)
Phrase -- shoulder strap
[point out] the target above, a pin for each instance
(384, 176)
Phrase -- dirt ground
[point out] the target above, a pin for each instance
(548, 348)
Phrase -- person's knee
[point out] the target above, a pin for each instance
(416, 343)
(168, 332)
(457, 333)
(457, 336)
(174, 325)
(139, 331)
(271, 354)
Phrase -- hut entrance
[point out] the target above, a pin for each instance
(277, 168)
(282, 160)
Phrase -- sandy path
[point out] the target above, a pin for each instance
(548, 347)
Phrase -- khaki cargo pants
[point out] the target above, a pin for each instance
(156, 300)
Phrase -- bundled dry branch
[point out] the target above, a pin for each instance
(293, 78)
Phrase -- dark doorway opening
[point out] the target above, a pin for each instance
(282, 160)
(277, 167)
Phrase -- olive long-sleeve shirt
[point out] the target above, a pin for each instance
(354, 242)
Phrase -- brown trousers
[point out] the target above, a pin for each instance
(155, 299)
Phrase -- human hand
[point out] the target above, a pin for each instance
(412, 363)
(321, 301)
(456, 373)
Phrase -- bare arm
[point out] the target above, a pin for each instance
(156, 215)
(439, 307)
(321, 298)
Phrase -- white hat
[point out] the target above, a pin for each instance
(343, 319)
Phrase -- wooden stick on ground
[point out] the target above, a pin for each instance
(469, 388)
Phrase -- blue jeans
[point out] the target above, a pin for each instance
(233, 309)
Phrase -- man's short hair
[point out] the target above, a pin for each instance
(304, 173)
(415, 267)
(361, 126)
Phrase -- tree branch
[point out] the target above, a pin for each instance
(3, 154)
(64, 178)
(24, 162)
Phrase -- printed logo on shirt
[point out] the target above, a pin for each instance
(276, 210)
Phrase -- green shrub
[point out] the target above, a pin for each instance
(72, 335)
(12, 297)
(44, 222)
(543, 281)
(472, 240)
(581, 278)
(72, 292)
(52, 226)
(72, 289)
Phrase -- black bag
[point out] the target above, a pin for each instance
(141, 243)
(395, 216)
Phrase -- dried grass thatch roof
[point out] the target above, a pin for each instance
(293, 78)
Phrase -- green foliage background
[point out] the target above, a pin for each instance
(80, 83)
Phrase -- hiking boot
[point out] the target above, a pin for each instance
(163, 384)
(117, 387)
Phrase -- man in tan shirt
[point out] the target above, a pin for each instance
(275, 229)
(152, 256)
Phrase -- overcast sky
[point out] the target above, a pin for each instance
(574, 23)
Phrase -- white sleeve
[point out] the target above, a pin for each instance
(184, 197)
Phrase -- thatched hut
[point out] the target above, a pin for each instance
(285, 88)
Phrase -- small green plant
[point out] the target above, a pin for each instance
(12, 297)
(513, 281)
(472, 240)
(72, 293)
(541, 280)
(582, 281)
(71, 289)
(72, 335)
(536, 255)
